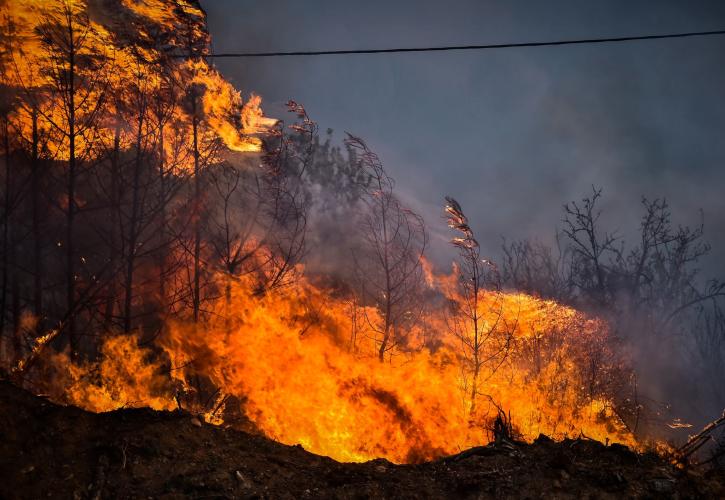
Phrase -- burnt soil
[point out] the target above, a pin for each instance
(55, 451)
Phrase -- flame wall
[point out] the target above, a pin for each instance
(286, 358)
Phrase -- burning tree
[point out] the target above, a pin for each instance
(390, 265)
(650, 291)
(485, 339)
(258, 225)
(286, 159)
(77, 71)
(178, 230)
(99, 125)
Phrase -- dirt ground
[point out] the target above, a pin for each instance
(51, 451)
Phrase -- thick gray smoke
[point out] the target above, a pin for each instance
(515, 134)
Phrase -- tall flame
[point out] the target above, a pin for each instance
(297, 362)
(286, 360)
(150, 60)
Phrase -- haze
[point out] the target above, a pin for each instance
(514, 133)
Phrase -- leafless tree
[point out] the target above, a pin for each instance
(142, 216)
(535, 268)
(658, 274)
(651, 293)
(196, 45)
(234, 224)
(389, 266)
(590, 247)
(288, 152)
(709, 347)
(484, 341)
(79, 82)
(594, 267)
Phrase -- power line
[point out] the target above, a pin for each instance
(469, 47)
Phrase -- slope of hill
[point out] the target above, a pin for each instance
(53, 451)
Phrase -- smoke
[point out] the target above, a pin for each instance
(512, 140)
(512, 134)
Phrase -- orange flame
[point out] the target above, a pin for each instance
(152, 67)
(286, 358)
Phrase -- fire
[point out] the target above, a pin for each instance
(114, 70)
(283, 358)
(286, 360)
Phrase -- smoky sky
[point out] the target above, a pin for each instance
(513, 133)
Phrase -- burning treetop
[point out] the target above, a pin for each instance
(189, 289)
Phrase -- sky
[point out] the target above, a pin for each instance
(512, 134)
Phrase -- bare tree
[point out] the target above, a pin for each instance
(590, 247)
(234, 230)
(77, 71)
(709, 347)
(535, 268)
(484, 340)
(651, 293)
(10, 195)
(196, 44)
(287, 156)
(390, 264)
(12, 176)
(594, 267)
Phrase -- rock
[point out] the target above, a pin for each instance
(195, 422)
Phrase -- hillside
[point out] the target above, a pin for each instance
(48, 450)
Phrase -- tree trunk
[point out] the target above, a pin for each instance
(37, 235)
(15, 290)
(197, 212)
(476, 337)
(162, 216)
(71, 212)
(228, 304)
(113, 243)
(132, 230)
(6, 226)
(386, 265)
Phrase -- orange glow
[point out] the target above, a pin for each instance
(120, 70)
(287, 357)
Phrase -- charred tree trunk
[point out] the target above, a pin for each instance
(71, 211)
(37, 235)
(133, 227)
(15, 289)
(388, 288)
(228, 303)
(113, 242)
(196, 298)
(6, 226)
(476, 340)
(162, 220)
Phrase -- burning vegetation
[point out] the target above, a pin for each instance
(167, 245)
